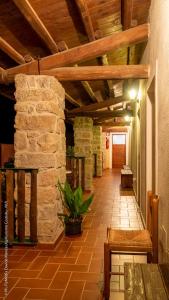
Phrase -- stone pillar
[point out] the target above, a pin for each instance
(40, 143)
(83, 139)
(104, 149)
(97, 148)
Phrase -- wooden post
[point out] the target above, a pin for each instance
(21, 205)
(10, 203)
(77, 172)
(33, 207)
(155, 202)
(107, 266)
(1, 178)
(83, 173)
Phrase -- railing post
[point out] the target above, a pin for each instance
(1, 179)
(33, 207)
(77, 172)
(10, 203)
(83, 173)
(21, 204)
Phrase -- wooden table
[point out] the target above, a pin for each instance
(146, 281)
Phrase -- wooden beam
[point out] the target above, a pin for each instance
(100, 114)
(11, 52)
(8, 75)
(33, 19)
(63, 47)
(96, 106)
(96, 48)
(127, 9)
(71, 100)
(99, 72)
(113, 124)
(80, 73)
(83, 9)
(84, 52)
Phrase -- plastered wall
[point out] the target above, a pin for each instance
(157, 54)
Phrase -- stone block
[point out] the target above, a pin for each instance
(47, 177)
(34, 160)
(25, 107)
(47, 195)
(21, 142)
(48, 142)
(42, 122)
(51, 107)
(47, 211)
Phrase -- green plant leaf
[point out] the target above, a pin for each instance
(67, 194)
(85, 205)
(78, 198)
(73, 202)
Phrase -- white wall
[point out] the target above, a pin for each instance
(157, 54)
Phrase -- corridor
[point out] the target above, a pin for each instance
(73, 270)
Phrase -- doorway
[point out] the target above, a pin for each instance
(118, 150)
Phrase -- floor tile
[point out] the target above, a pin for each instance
(74, 290)
(17, 293)
(73, 269)
(45, 294)
(60, 280)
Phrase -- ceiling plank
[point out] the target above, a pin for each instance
(87, 21)
(99, 72)
(96, 48)
(33, 19)
(100, 114)
(89, 91)
(96, 106)
(127, 9)
(11, 52)
(83, 9)
(72, 100)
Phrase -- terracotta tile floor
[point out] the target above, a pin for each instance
(73, 270)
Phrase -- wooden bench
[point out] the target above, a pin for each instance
(126, 179)
(146, 281)
(126, 167)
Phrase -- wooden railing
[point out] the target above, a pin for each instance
(94, 164)
(13, 203)
(75, 167)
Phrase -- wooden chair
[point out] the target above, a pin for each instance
(134, 242)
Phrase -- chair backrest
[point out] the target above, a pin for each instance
(152, 222)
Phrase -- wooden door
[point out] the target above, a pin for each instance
(118, 150)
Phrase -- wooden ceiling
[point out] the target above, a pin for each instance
(92, 42)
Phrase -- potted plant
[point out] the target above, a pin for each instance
(73, 208)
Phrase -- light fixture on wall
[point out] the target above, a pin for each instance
(133, 94)
(127, 118)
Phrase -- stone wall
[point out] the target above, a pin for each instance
(104, 149)
(97, 148)
(83, 139)
(40, 143)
